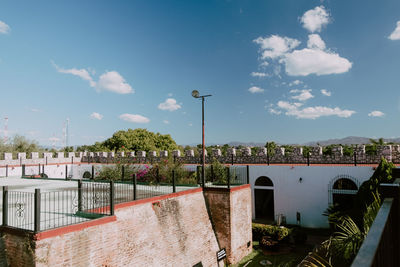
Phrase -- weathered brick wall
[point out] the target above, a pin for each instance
(170, 232)
(16, 250)
(230, 211)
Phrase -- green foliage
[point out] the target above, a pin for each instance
(139, 140)
(348, 150)
(306, 150)
(96, 147)
(327, 150)
(216, 172)
(114, 172)
(288, 149)
(271, 148)
(278, 233)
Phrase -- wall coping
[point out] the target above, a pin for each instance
(226, 190)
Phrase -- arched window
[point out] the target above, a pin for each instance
(263, 181)
(345, 184)
(342, 190)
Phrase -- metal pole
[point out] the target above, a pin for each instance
(267, 154)
(248, 174)
(79, 195)
(92, 172)
(204, 148)
(134, 186)
(355, 158)
(46, 160)
(229, 177)
(232, 159)
(308, 159)
(66, 171)
(23, 169)
(37, 210)
(123, 172)
(173, 182)
(112, 197)
(7, 170)
(5, 205)
(39, 168)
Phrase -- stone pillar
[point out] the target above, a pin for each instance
(141, 154)
(60, 155)
(316, 151)
(48, 155)
(131, 154)
(279, 151)
(34, 155)
(121, 154)
(22, 155)
(8, 156)
(298, 151)
(247, 151)
(91, 154)
(263, 151)
(103, 154)
(216, 152)
(71, 154)
(176, 153)
(111, 154)
(231, 151)
(189, 153)
(164, 153)
(337, 151)
(152, 153)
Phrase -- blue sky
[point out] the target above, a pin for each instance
(288, 71)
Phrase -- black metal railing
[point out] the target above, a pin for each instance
(381, 246)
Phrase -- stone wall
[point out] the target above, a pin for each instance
(230, 211)
(170, 230)
(389, 152)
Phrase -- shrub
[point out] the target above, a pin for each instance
(277, 233)
(87, 175)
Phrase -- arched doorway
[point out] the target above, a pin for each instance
(342, 191)
(264, 199)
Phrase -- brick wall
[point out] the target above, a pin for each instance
(230, 211)
(170, 230)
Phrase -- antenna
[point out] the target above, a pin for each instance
(5, 130)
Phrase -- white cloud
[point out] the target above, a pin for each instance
(109, 81)
(293, 109)
(169, 94)
(169, 104)
(274, 111)
(96, 116)
(376, 113)
(112, 81)
(326, 92)
(302, 95)
(296, 82)
(255, 90)
(314, 61)
(259, 74)
(314, 19)
(82, 73)
(395, 35)
(4, 28)
(35, 109)
(315, 42)
(275, 46)
(165, 121)
(135, 118)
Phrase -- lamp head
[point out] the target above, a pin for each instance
(195, 94)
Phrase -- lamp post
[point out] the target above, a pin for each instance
(196, 94)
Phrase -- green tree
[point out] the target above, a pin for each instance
(139, 140)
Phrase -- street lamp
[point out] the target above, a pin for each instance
(196, 94)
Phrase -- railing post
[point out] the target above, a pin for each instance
(198, 174)
(39, 168)
(212, 173)
(23, 169)
(5, 205)
(248, 174)
(112, 197)
(229, 177)
(46, 160)
(79, 195)
(66, 171)
(72, 160)
(308, 159)
(232, 159)
(92, 172)
(37, 211)
(134, 186)
(7, 170)
(123, 172)
(355, 158)
(173, 182)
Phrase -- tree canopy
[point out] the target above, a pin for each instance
(135, 140)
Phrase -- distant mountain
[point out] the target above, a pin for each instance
(350, 140)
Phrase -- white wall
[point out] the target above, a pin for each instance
(310, 197)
